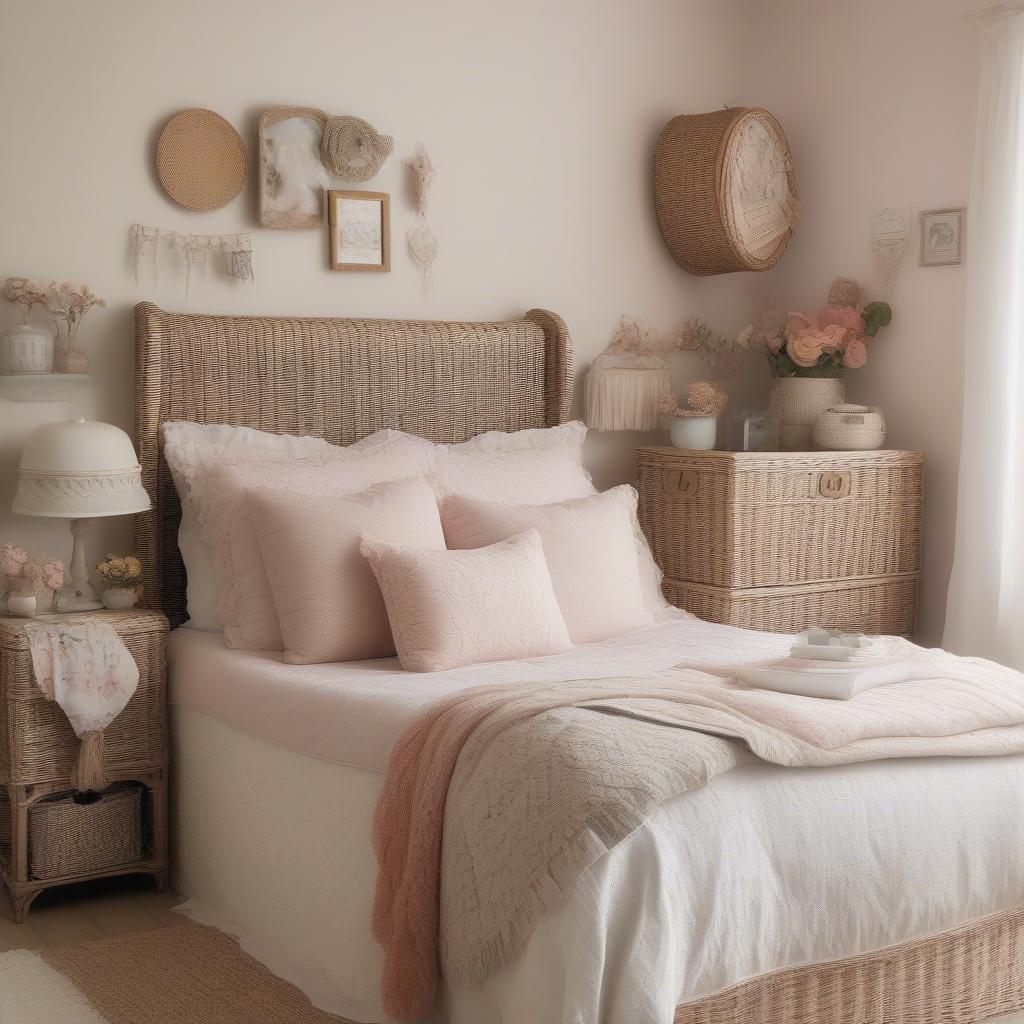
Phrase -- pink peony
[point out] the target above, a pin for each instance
(774, 340)
(797, 322)
(855, 355)
(845, 316)
(805, 349)
(836, 337)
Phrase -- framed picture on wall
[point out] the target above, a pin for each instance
(360, 230)
(942, 237)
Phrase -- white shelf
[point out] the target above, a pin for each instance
(42, 387)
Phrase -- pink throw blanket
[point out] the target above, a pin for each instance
(567, 782)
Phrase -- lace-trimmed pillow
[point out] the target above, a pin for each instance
(452, 608)
(590, 551)
(219, 482)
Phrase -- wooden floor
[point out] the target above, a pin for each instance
(93, 910)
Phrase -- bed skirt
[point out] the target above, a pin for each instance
(970, 974)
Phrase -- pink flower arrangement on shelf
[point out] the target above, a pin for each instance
(26, 575)
(23, 294)
(821, 343)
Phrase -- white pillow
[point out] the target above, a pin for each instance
(213, 465)
(190, 449)
(590, 550)
(530, 467)
(452, 608)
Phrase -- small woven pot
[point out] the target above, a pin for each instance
(850, 428)
(798, 402)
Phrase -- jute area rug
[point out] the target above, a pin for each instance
(182, 974)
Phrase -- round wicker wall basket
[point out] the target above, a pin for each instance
(725, 193)
(200, 160)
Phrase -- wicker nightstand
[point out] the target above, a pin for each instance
(46, 837)
(785, 540)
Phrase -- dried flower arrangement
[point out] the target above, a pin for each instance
(722, 357)
(65, 303)
(26, 574)
(822, 343)
(120, 572)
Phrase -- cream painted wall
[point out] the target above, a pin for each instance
(540, 118)
(878, 101)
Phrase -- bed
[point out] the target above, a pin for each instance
(789, 908)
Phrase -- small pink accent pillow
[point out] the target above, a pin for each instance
(328, 604)
(590, 548)
(452, 608)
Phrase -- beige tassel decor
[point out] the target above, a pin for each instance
(88, 774)
(627, 381)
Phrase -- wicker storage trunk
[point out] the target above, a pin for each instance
(67, 838)
(783, 540)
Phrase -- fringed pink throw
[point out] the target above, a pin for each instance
(528, 785)
(85, 667)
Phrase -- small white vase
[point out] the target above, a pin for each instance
(697, 433)
(23, 605)
(117, 599)
(798, 402)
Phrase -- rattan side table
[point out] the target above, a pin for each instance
(38, 749)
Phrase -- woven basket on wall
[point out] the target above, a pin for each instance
(724, 190)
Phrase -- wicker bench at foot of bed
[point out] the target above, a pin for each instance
(970, 974)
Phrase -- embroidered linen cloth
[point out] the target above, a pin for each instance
(528, 786)
(85, 667)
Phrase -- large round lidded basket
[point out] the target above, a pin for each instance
(725, 194)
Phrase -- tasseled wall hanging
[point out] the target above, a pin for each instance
(153, 246)
(627, 381)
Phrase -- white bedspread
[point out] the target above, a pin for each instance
(764, 868)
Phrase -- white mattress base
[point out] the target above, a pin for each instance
(763, 869)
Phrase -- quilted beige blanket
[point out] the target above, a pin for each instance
(528, 785)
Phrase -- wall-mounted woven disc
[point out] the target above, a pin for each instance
(200, 160)
(724, 190)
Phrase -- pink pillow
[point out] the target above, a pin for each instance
(452, 608)
(328, 604)
(247, 611)
(590, 549)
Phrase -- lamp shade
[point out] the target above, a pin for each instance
(78, 469)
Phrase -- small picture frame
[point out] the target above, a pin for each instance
(360, 230)
(942, 237)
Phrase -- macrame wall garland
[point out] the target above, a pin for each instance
(153, 247)
(420, 239)
(890, 237)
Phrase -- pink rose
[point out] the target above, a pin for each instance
(806, 348)
(774, 340)
(856, 354)
(12, 560)
(844, 316)
(836, 336)
(797, 322)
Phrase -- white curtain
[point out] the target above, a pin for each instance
(985, 612)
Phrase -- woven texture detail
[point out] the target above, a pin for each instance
(200, 160)
(336, 379)
(694, 166)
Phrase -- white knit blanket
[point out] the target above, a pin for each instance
(545, 778)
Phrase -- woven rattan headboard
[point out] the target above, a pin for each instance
(337, 379)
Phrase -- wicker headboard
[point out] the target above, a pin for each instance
(336, 379)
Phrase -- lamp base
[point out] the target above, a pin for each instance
(78, 595)
(70, 599)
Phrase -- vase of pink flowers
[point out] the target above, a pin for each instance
(68, 306)
(27, 349)
(30, 582)
(810, 352)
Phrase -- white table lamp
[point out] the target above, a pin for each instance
(79, 470)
